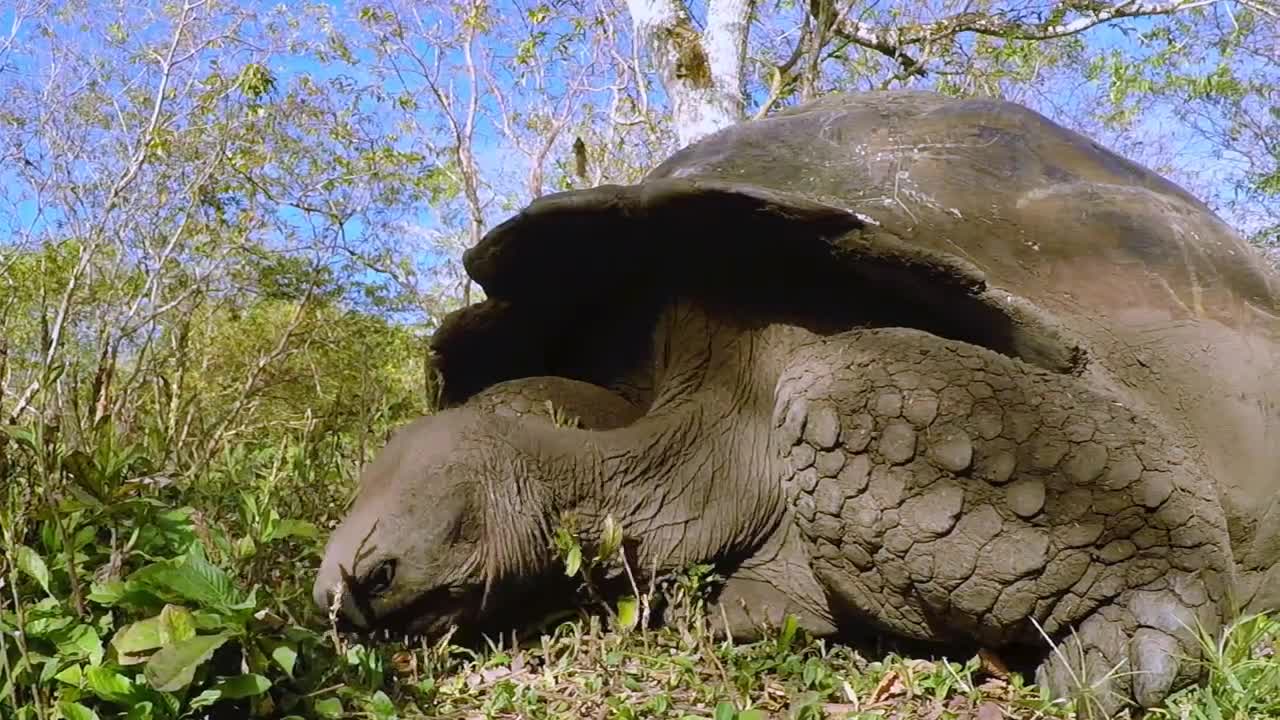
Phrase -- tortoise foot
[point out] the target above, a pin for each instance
(1136, 652)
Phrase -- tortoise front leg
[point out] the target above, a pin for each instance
(775, 582)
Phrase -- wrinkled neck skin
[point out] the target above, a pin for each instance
(684, 480)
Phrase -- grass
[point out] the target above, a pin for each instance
(581, 670)
(124, 594)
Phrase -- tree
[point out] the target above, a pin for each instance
(705, 74)
(166, 195)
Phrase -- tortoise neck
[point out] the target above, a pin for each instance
(687, 480)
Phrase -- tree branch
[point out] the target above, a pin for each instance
(892, 42)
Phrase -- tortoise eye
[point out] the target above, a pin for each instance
(378, 581)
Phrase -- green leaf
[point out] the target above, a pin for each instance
(294, 528)
(628, 613)
(245, 548)
(79, 642)
(382, 707)
(30, 563)
(108, 593)
(176, 624)
(573, 562)
(205, 699)
(173, 667)
(76, 711)
(725, 711)
(243, 686)
(285, 656)
(72, 675)
(48, 669)
(610, 538)
(328, 708)
(193, 578)
(788, 634)
(137, 638)
(811, 672)
(111, 685)
(23, 436)
(752, 714)
(141, 711)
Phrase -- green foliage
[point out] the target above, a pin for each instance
(1243, 675)
(157, 602)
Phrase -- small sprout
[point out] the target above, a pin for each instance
(610, 538)
(628, 613)
(573, 561)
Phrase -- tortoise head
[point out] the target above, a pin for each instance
(420, 548)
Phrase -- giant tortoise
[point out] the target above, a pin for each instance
(936, 368)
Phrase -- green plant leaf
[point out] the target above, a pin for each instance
(573, 561)
(725, 711)
(173, 667)
(788, 634)
(137, 638)
(382, 707)
(79, 642)
(245, 547)
(76, 711)
(72, 675)
(107, 593)
(243, 686)
(628, 613)
(142, 711)
(294, 528)
(23, 436)
(176, 624)
(205, 698)
(111, 685)
(30, 563)
(328, 708)
(285, 656)
(193, 578)
(610, 538)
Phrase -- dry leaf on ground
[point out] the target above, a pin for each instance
(990, 711)
(889, 686)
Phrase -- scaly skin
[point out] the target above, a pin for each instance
(948, 490)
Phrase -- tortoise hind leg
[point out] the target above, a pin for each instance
(952, 494)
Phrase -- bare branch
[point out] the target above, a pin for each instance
(893, 41)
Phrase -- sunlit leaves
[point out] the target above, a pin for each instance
(256, 80)
(33, 566)
(174, 666)
(628, 613)
(193, 578)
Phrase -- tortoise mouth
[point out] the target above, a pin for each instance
(576, 282)
(465, 614)
(427, 617)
